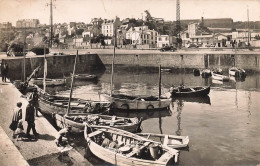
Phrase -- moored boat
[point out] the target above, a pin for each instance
(134, 103)
(172, 141)
(205, 72)
(220, 77)
(51, 104)
(48, 81)
(85, 77)
(237, 72)
(190, 91)
(77, 122)
(120, 147)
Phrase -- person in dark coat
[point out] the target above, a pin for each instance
(29, 117)
(35, 101)
(6, 70)
(17, 116)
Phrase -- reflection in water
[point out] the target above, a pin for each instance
(249, 104)
(180, 104)
(202, 100)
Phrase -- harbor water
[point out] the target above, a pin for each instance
(223, 128)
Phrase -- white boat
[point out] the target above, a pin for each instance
(219, 77)
(119, 147)
(237, 72)
(172, 141)
(49, 82)
(134, 103)
(205, 72)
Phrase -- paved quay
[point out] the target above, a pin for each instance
(41, 151)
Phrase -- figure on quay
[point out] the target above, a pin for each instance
(63, 133)
(35, 101)
(17, 116)
(4, 71)
(30, 118)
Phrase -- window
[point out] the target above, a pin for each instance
(160, 39)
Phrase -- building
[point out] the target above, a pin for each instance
(5, 25)
(27, 23)
(142, 36)
(164, 40)
(108, 26)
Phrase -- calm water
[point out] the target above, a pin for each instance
(223, 128)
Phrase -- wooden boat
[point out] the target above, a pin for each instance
(220, 77)
(237, 72)
(85, 77)
(190, 91)
(77, 122)
(205, 73)
(51, 104)
(49, 82)
(172, 141)
(166, 70)
(127, 148)
(134, 103)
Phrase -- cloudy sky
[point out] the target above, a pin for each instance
(84, 10)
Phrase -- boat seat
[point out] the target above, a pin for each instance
(95, 133)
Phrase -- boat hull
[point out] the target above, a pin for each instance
(196, 92)
(220, 77)
(49, 82)
(169, 155)
(135, 105)
(63, 121)
(237, 72)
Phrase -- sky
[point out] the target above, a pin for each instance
(83, 10)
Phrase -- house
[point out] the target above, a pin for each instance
(164, 40)
(142, 36)
(108, 26)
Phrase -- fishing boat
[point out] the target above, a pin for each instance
(119, 147)
(85, 77)
(77, 122)
(51, 104)
(48, 81)
(220, 77)
(205, 73)
(237, 72)
(172, 141)
(190, 91)
(136, 103)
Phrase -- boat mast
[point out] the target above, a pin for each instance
(112, 72)
(72, 81)
(45, 71)
(160, 78)
(248, 37)
(51, 24)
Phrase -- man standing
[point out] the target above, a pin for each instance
(35, 98)
(29, 117)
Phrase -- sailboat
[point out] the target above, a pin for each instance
(52, 104)
(134, 103)
(77, 122)
(218, 74)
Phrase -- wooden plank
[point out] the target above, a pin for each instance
(95, 133)
(166, 140)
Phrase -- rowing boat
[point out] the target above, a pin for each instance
(119, 147)
(136, 103)
(190, 91)
(173, 141)
(48, 81)
(51, 104)
(77, 122)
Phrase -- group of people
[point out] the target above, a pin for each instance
(31, 112)
(4, 71)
